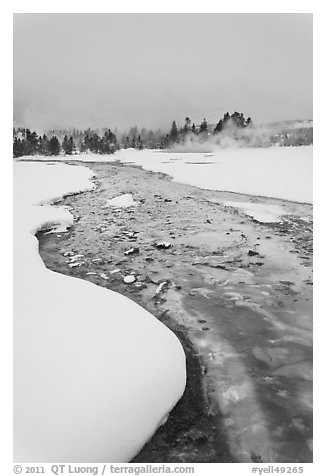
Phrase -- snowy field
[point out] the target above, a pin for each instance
(278, 172)
(94, 373)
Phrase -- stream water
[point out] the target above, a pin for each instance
(249, 317)
(258, 361)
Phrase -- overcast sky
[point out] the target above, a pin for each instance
(107, 70)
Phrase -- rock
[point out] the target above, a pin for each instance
(160, 287)
(74, 265)
(132, 251)
(129, 279)
(253, 253)
(163, 245)
(115, 271)
(75, 258)
(68, 253)
(308, 281)
(208, 221)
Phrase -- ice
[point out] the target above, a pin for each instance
(264, 213)
(94, 373)
(122, 201)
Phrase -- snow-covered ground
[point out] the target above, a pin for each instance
(279, 172)
(94, 373)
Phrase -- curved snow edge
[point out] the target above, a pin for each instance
(95, 374)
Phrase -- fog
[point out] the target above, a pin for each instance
(117, 70)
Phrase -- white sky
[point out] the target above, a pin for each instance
(107, 70)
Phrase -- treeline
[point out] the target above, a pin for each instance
(229, 123)
(104, 141)
(26, 142)
(142, 138)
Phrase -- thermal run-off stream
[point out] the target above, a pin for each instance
(241, 290)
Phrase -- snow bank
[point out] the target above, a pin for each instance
(94, 373)
(279, 172)
(122, 201)
(262, 212)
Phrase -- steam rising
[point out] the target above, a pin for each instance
(294, 132)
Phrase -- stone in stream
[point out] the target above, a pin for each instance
(68, 253)
(163, 245)
(132, 251)
(115, 271)
(129, 279)
(253, 253)
(74, 265)
(160, 287)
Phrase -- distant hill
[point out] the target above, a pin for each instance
(291, 133)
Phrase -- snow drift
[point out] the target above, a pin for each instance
(94, 373)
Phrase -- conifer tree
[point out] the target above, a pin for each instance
(174, 132)
(72, 147)
(203, 126)
(67, 145)
(54, 146)
(18, 148)
(44, 145)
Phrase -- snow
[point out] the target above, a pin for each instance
(262, 212)
(122, 201)
(278, 172)
(94, 373)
